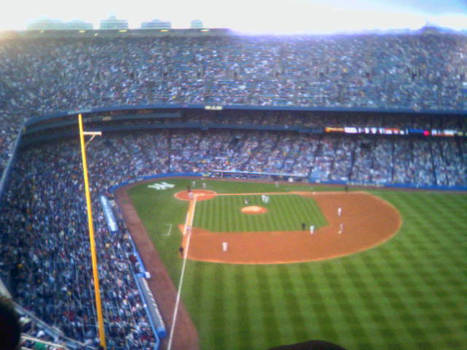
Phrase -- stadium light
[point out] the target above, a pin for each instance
(92, 242)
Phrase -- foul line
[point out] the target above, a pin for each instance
(188, 223)
(169, 231)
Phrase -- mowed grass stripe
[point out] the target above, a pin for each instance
(203, 220)
(258, 225)
(449, 271)
(268, 312)
(276, 220)
(231, 307)
(394, 300)
(385, 312)
(236, 213)
(422, 302)
(197, 286)
(367, 305)
(303, 213)
(435, 230)
(288, 208)
(220, 214)
(311, 214)
(408, 293)
(198, 295)
(324, 327)
(353, 329)
(429, 262)
(245, 304)
(294, 308)
(454, 204)
(219, 310)
(292, 211)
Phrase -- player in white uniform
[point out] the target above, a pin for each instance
(312, 229)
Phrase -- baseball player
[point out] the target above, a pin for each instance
(341, 229)
(312, 229)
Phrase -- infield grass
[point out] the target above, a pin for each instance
(408, 293)
(284, 213)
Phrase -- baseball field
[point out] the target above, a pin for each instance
(387, 272)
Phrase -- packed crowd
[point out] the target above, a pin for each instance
(43, 245)
(44, 248)
(365, 159)
(415, 71)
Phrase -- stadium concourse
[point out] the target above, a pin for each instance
(44, 249)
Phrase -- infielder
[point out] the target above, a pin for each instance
(341, 228)
(312, 229)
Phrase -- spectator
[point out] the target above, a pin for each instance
(414, 71)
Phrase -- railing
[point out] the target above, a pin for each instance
(6, 171)
(52, 331)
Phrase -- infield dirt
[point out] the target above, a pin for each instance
(365, 222)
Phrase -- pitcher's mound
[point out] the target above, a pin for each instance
(254, 209)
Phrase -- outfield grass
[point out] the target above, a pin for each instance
(408, 293)
(284, 213)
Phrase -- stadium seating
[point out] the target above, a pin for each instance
(43, 243)
(413, 71)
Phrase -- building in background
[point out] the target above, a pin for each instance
(114, 23)
(156, 24)
(54, 24)
(196, 24)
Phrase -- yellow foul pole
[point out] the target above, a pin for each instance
(95, 272)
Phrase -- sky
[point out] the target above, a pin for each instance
(248, 16)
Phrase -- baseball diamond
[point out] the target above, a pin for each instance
(369, 221)
(373, 298)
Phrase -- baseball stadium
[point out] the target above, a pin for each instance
(206, 190)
